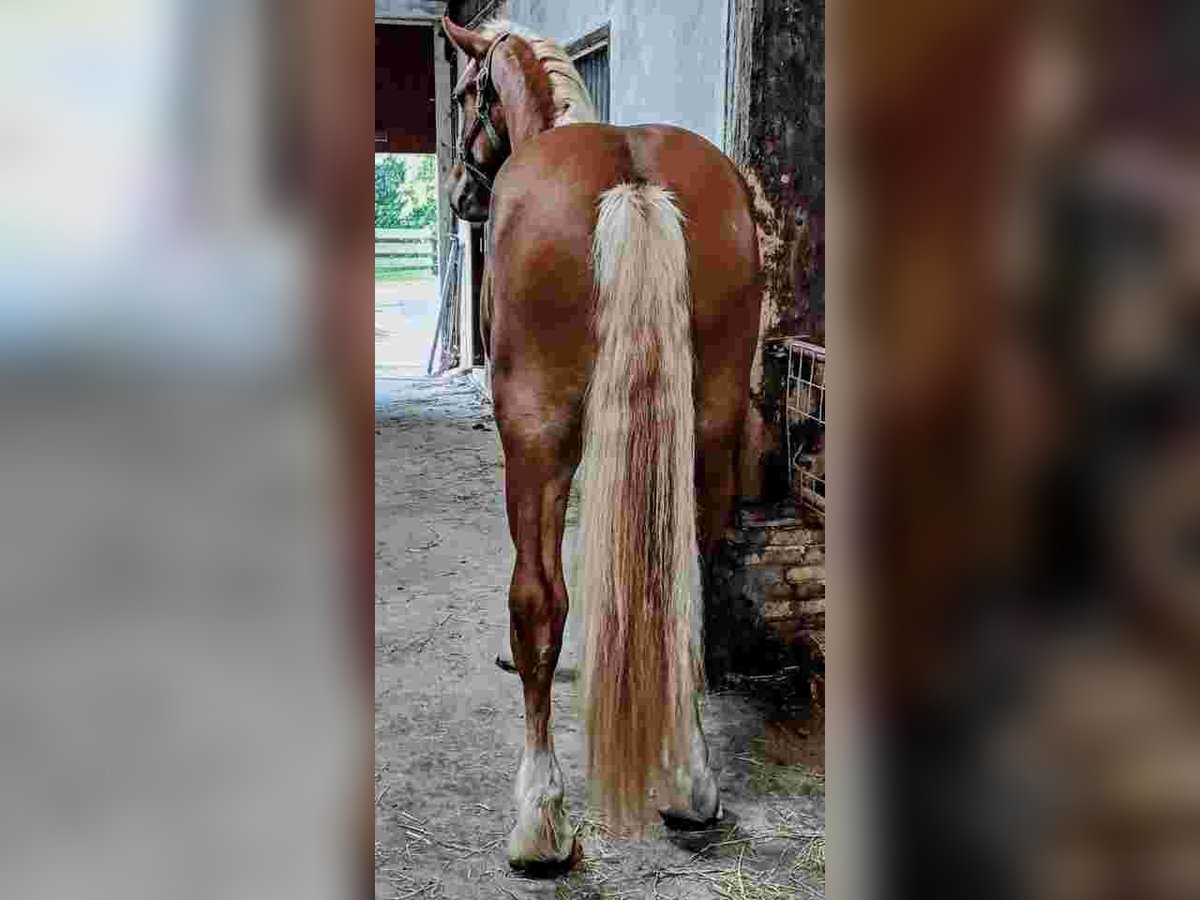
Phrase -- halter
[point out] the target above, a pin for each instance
(487, 95)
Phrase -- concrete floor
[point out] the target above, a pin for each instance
(405, 319)
(448, 722)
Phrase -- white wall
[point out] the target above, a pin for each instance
(667, 57)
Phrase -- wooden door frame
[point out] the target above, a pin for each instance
(444, 103)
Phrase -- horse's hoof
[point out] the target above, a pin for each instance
(548, 868)
(542, 837)
(687, 820)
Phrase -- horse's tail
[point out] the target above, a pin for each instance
(639, 508)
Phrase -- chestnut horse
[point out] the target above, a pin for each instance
(621, 328)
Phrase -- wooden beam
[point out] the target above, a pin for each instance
(739, 67)
(409, 12)
(493, 9)
(466, 334)
(593, 40)
(443, 90)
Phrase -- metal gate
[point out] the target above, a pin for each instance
(804, 422)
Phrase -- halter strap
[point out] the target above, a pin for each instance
(483, 119)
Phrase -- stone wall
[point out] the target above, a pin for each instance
(765, 609)
(765, 605)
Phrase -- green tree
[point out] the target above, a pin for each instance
(405, 191)
(390, 172)
(419, 193)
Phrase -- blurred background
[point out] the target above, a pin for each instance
(1014, 215)
(184, 536)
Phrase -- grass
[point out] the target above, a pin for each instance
(402, 276)
(768, 779)
(811, 860)
(771, 780)
(736, 885)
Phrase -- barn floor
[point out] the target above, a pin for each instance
(405, 319)
(448, 721)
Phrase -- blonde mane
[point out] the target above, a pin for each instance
(572, 103)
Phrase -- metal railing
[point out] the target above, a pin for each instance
(445, 332)
(804, 422)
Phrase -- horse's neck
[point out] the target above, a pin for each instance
(520, 132)
(523, 121)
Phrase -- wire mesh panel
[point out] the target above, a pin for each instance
(804, 402)
(594, 69)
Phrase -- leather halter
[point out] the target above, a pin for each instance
(486, 90)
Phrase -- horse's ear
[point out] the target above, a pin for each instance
(472, 43)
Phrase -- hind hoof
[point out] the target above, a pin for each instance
(541, 867)
(686, 820)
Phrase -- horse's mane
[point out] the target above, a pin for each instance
(572, 103)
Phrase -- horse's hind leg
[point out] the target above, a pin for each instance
(537, 484)
(716, 463)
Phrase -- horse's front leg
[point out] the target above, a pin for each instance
(537, 499)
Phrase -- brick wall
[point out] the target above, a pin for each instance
(765, 610)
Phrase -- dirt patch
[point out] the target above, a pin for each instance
(448, 721)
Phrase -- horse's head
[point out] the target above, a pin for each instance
(504, 97)
(483, 139)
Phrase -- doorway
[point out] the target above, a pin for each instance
(406, 260)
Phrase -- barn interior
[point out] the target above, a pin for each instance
(444, 688)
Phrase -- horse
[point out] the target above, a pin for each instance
(620, 323)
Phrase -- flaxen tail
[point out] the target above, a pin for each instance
(638, 502)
